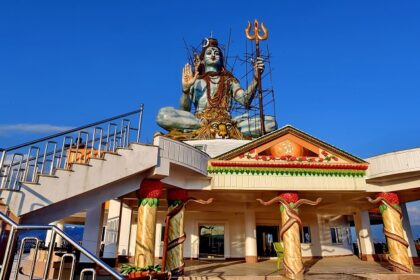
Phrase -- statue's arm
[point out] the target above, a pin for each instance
(186, 99)
(241, 95)
(244, 96)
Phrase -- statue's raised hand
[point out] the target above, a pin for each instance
(188, 78)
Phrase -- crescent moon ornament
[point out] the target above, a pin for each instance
(206, 42)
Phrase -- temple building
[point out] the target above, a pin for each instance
(213, 187)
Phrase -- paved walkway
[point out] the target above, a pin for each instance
(343, 268)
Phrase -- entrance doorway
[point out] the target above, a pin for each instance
(266, 236)
(211, 241)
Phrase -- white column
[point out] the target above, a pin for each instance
(412, 252)
(125, 231)
(92, 231)
(364, 235)
(250, 237)
(58, 239)
(111, 231)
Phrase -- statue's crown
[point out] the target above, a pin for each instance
(210, 42)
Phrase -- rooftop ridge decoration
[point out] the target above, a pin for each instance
(287, 168)
(288, 129)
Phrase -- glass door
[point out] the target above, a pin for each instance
(212, 241)
(266, 236)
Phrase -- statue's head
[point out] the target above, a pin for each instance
(211, 54)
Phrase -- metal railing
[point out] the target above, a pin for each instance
(10, 250)
(25, 162)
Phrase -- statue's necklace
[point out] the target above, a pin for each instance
(215, 100)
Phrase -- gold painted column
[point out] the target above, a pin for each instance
(289, 233)
(149, 193)
(393, 230)
(176, 234)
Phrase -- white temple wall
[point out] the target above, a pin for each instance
(234, 232)
(234, 243)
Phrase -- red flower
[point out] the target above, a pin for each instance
(252, 151)
(303, 158)
(283, 157)
(178, 194)
(320, 159)
(324, 153)
(272, 157)
(256, 157)
(391, 198)
(241, 156)
(150, 189)
(292, 158)
(264, 158)
(335, 158)
(290, 197)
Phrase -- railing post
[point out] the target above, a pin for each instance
(2, 158)
(140, 121)
(50, 253)
(6, 268)
(3, 178)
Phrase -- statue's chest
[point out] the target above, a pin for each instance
(203, 86)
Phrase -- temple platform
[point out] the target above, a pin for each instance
(345, 268)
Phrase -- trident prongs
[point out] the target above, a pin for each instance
(256, 36)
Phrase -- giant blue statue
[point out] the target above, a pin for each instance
(209, 89)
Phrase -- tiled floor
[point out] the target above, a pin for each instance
(345, 268)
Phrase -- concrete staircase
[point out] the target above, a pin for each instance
(68, 191)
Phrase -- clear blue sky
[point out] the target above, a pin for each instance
(344, 71)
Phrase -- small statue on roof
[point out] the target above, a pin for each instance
(209, 88)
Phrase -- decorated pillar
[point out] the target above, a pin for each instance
(176, 234)
(149, 193)
(289, 233)
(173, 248)
(393, 230)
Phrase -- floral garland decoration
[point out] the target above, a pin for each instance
(252, 155)
(391, 198)
(149, 193)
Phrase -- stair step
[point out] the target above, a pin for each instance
(47, 175)
(81, 163)
(64, 169)
(113, 153)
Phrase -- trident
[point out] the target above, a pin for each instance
(257, 38)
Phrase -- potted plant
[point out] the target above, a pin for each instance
(143, 273)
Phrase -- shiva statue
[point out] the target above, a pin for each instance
(210, 89)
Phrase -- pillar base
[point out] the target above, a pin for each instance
(251, 259)
(368, 257)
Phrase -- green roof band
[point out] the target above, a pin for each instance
(286, 171)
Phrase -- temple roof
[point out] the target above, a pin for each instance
(295, 133)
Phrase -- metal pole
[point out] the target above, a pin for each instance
(49, 256)
(44, 158)
(8, 257)
(260, 93)
(2, 158)
(25, 173)
(53, 158)
(35, 164)
(140, 121)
